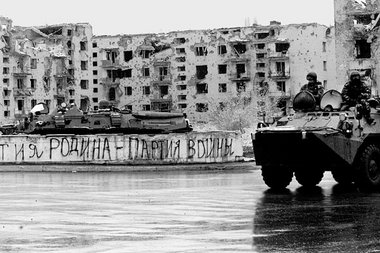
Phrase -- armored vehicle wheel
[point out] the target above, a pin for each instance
(343, 175)
(276, 177)
(368, 170)
(309, 177)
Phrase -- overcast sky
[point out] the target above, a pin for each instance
(111, 17)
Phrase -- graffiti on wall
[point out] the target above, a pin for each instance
(114, 148)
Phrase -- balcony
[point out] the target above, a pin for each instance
(110, 64)
(161, 98)
(279, 75)
(21, 72)
(112, 82)
(162, 80)
(24, 92)
(240, 77)
(278, 55)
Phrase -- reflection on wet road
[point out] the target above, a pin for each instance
(220, 211)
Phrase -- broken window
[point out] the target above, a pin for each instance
(128, 91)
(364, 19)
(33, 63)
(363, 49)
(182, 87)
(240, 48)
(83, 45)
(95, 63)
(84, 84)
(7, 113)
(181, 68)
(280, 67)
(180, 50)
(146, 90)
(222, 68)
(5, 70)
(69, 44)
(260, 56)
(281, 86)
(128, 55)
(222, 87)
(201, 107)
(261, 74)
(182, 106)
(112, 56)
(95, 72)
(71, 92)
(94, 45)
(146, 71)
(7, 92)
(69, 32)
(182, 77)
(240, 86)
(163, 73)
(260, 46)
(95, 90)
(94, 54)
(180, 59)
(33, 83)
(201, 71)
(53, 30)
(95, 81)
(20, 83)
(95, 100)
(282, 47)
(7, 102)
(6, 60)
(33, 103)
(222, 49)
(146, 107)
(6, 81)
(201, 51)
(179, 40)
(240, 69)
(83, 65)
(202, 88)
(145, 54)
(126, 73)
(181, 97)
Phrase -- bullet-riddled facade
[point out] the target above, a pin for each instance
(357, 27)
(187, 71)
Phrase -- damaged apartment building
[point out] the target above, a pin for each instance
(357, 43)
(189, 71)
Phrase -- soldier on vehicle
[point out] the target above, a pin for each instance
(356, 93)
(313, 86)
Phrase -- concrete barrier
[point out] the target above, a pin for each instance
(117, 149)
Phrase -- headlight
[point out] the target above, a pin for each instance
(342, 116)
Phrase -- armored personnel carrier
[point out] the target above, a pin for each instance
(319, 138)
(107, 119)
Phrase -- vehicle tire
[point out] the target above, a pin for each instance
(368, 168)
(343, 175)
(309, 177)
(276, 177)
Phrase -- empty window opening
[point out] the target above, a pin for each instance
(260, 56)
(95, 81)
(5, 70)
(20, 84)
(33, 103)
(7, 113)
(261, 74)
(69, 44)
(181, 68)
(240, 48)
(281, 86)
(7, 102)
(95, 63)
(202, 88)
(33, 63)
(128, 55)
(145, 54)
(164, 90)
(33, 83)
(94, 44)
(262, 35)
(201, 51)
(95, 90)
(83, 65)
(69, 32)
(180, 59)
(201, 71)
(182, 106)
(128, 91)
(6, 60)
(163, 73)
(20, 105)
(222, 49)
(95, 100)
(201, 107)
(181, 77)
(94, 54)
(112, 56)
(146, 107)
(222, 87)
(53, 30)
(6, 81)
(280, 67)
(112, 94)
(72, 92)
(222, 69)
(181, 97)
(180, 50)
(282, 47)
(363, 49)
(240, 69)
(365, 19)
(95, 72)
(260, 65)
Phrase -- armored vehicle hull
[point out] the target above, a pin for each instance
(307, 144)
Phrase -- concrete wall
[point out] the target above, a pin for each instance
(194, 147)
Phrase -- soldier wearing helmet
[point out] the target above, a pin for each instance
(313, 86)
(356, 93)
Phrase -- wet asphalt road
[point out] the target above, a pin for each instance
(214, 211)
